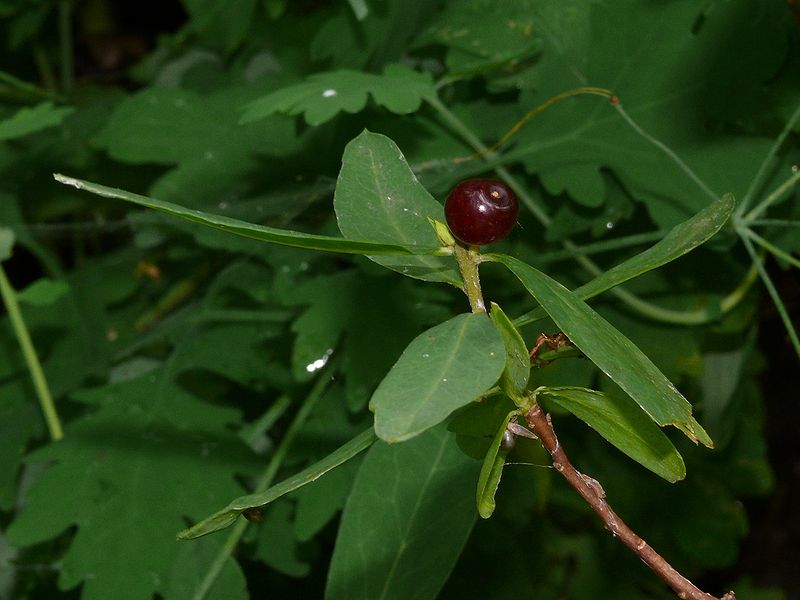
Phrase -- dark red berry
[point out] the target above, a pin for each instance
(481, 211)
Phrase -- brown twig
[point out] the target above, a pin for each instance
(593, 493)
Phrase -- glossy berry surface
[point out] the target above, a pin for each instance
(481, 211)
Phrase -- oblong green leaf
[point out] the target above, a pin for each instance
(681, 239)
(407, 518)
(492, 470)
(518, 362)
(621, 422)
(379, 199)
(273, 235)
(442, 369)
(225, 517)
(611, 351)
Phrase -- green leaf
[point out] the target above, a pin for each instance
(492, 470)
(43, 292)
(6, 243)
(476, 40)
(225, 517)
(681, 239)
(621, 422)
(250, 230)
(126, 473)
(31, 120)
(515, 376)
(443, 369)
(323, 95)
(379, 199)
(611, 351)
(406, 521)
(359, 8)
(615, 45)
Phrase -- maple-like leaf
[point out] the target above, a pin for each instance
(126, 475)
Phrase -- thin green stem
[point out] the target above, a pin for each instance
(31, 359)
(602, 246)
(266, 479)
(468, 260)
(645, 308)
(65, 40)
(765, 278)
(770, 247)
(773, 197)
(773, 223)
(666, 150)
(476, 144)
(758, 180)
(45, 69)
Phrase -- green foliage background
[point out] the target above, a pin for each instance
(179, 355)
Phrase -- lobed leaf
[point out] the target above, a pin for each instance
(43, 291)
(680, 240)
(225, 517)
(623, 425)
(442, 369)
(30, 120)
(324, 95)
(406, 521)
(379, 199)
(611, 351)
(263, 233)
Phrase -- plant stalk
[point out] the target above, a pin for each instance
(65, 40)
(266, 479)
(592, 492)
(468, 260)
(31, 359)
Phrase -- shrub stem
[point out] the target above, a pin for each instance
(591, 491)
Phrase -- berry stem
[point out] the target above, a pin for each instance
(468, 260)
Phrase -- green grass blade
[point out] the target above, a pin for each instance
(229, 514)
(250, 230)
(683, 238)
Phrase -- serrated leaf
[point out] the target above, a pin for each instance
(225, 517)
(284, 237)
(43, 292)
(442, 369)
(407, 518)
(621, 422)
(492, 470)
(30, 120)
(517, 371)
(700, 55)
(379, 199)
(611, 351)
(20, 420)
(147, 455)
(680, 240)
(476, 40)
(323, 95)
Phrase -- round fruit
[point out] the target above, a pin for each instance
(481, 211)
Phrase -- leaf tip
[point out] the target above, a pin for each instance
(71, 181)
